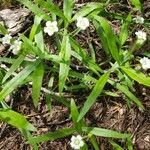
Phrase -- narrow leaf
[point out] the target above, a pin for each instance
(105, 133)
(94, 94)
(64, 67)
(37, 83)
(137, 76)
(17, 80)
(15, 119)
(124, 30)
(124, 89)
(52, 135)
(110, 37)
(87, 9)
(14, 66)
(137, 4)
(68, 7)
(74, 115)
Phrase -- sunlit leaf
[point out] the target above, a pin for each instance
(94, 94)
(15, 119)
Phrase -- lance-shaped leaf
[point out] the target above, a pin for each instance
(110, 37)
(37, 83)
(94, 94)
(137, 76)
(17, 80)
(15, 119)
(65, 54)
(105, 133)
(52, 135)
(87, 9)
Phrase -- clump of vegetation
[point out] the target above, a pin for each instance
(32, 59)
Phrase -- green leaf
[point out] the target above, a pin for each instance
(94, 142)
(124, 30)
(17, 80)
(39, 39)
(116, 146)
(110, 37)
(15, 119)
(137, 4)
(68, 8)
(83, 57)
(94, 94)
(3, 30)
(74, 115)
(124, 89)
(7, 60)
(102, 37)
(35, 9)
(37, 83)
(137, 76)
(52, 8)
(87, 9)
(52, 136)
(64, 54)
(105, 133)
(37, 22)
(14, 66)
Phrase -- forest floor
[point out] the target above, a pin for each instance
(107, 112)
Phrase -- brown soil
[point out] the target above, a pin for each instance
(107, 112)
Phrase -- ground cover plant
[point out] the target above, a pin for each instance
(74, 50)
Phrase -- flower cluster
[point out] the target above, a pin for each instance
(139, 20)
(51, 26)
(141, 36)
(145, 62)
(15, 46)
(77, 142)
(82, 23)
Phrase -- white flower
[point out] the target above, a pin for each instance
(51, 27)
(82, 23)
(16, 47)
(145, 62)
(6, 39)
(139, 20)
(141, 36)
(76, 142)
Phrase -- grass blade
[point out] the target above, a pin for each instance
(74, 115)
(65, 56)
(110, 37)
(68, 8)
(52, 8)
(14, 66)
(85, 10)
(17, 80)
(105, 133)
(137, 4)
(124, 30)
(37, 83)
(94, 94)
(124, 89)
(137, 76)
(37, 21)
(52, 136)
(15, 119)
(35, 9)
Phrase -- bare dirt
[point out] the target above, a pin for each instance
(107, 112)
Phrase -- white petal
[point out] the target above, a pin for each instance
(79, 137)
(46, 29)
(48, 23)
(50, 33)
(54, 23)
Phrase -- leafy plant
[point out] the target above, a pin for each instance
(34, 59)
